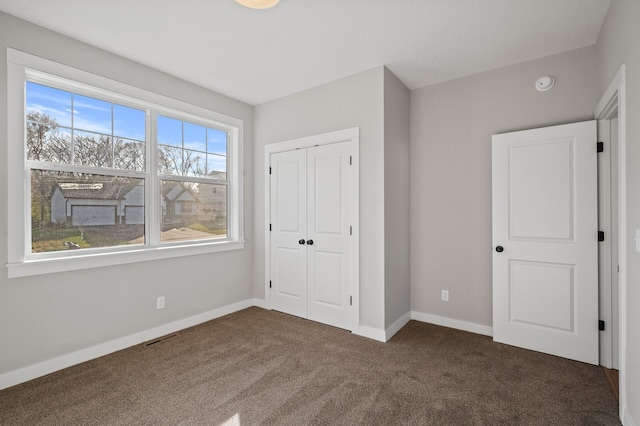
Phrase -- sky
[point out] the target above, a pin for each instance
(93, 115)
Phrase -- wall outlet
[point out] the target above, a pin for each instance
(160, 303)
(445, 295)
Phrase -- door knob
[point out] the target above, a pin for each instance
(310, 242)
(300, 241)
(499, 249)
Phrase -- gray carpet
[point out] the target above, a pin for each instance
(262, 367)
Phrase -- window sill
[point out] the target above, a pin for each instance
(50, 266)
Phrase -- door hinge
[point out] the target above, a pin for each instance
(269, 283)
(350, 230)
(600, 146)
(600, 235)
(269, 169)
(350, 160)
(350, 300)
(601, 325)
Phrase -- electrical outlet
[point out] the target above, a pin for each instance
(445, 295)
(160, 303)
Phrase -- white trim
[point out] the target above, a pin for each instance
(605, 258)
(309, 141)
(31, 372)
(345, 135)
(371, 333)
(267, 224)
(97, 260)
(260, 303)
(397, 326)
(471, 327)
(626, 418)
(71, 76)
(615, 98)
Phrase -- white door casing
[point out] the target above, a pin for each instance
(545, 281)
(328, 194)
(608, 249)
(612, 107)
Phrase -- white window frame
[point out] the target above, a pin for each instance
(21, 262)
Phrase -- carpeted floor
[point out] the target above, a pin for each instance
(262, 367)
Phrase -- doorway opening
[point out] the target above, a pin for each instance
(611, 113)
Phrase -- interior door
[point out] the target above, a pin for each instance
(545, 253)
(329, 261)
(311, 194)
(289, 232)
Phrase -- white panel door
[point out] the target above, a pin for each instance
(289, 232)
(311, 197)
(328, 196)
(545, 240)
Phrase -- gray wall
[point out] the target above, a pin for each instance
(619, 43)
(396, 198)
(42, 317)
(354, 101)
(451, 128)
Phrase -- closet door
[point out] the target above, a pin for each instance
(289, 232)
(328, 249)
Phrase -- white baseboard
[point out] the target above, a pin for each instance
(31, 372)
(452, 323)
(626, 419)
(396, 326)
(260, 303)
(371, 333)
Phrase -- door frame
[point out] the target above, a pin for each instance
(606, 262)
(614, 101)
(347, 135)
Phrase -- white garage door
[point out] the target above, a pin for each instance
(134, 215)
(93, 215)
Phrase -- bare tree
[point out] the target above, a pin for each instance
(41, 129)
(173, 160)
(128, 155)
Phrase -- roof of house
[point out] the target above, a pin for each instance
(96, 190)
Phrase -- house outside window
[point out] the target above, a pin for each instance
(113, 169)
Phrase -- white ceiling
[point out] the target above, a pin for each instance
(259, 55)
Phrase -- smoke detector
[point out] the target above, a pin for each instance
(545, 83)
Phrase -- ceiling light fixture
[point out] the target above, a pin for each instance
(258, 4)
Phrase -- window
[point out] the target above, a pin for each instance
(77, 148)
(114, 172)
(192, 160)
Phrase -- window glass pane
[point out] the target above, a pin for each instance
(169, 131)
(47, 142)
(129, 123)
(170, 160)
(92, 127)
(217, 166)
(128, 154)
(92, 149)
(74, 211)
(92, 114)
(216, 141)
(48, 105)
(194, 163)
(192, 211)
(195, 137)
(187, 149)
